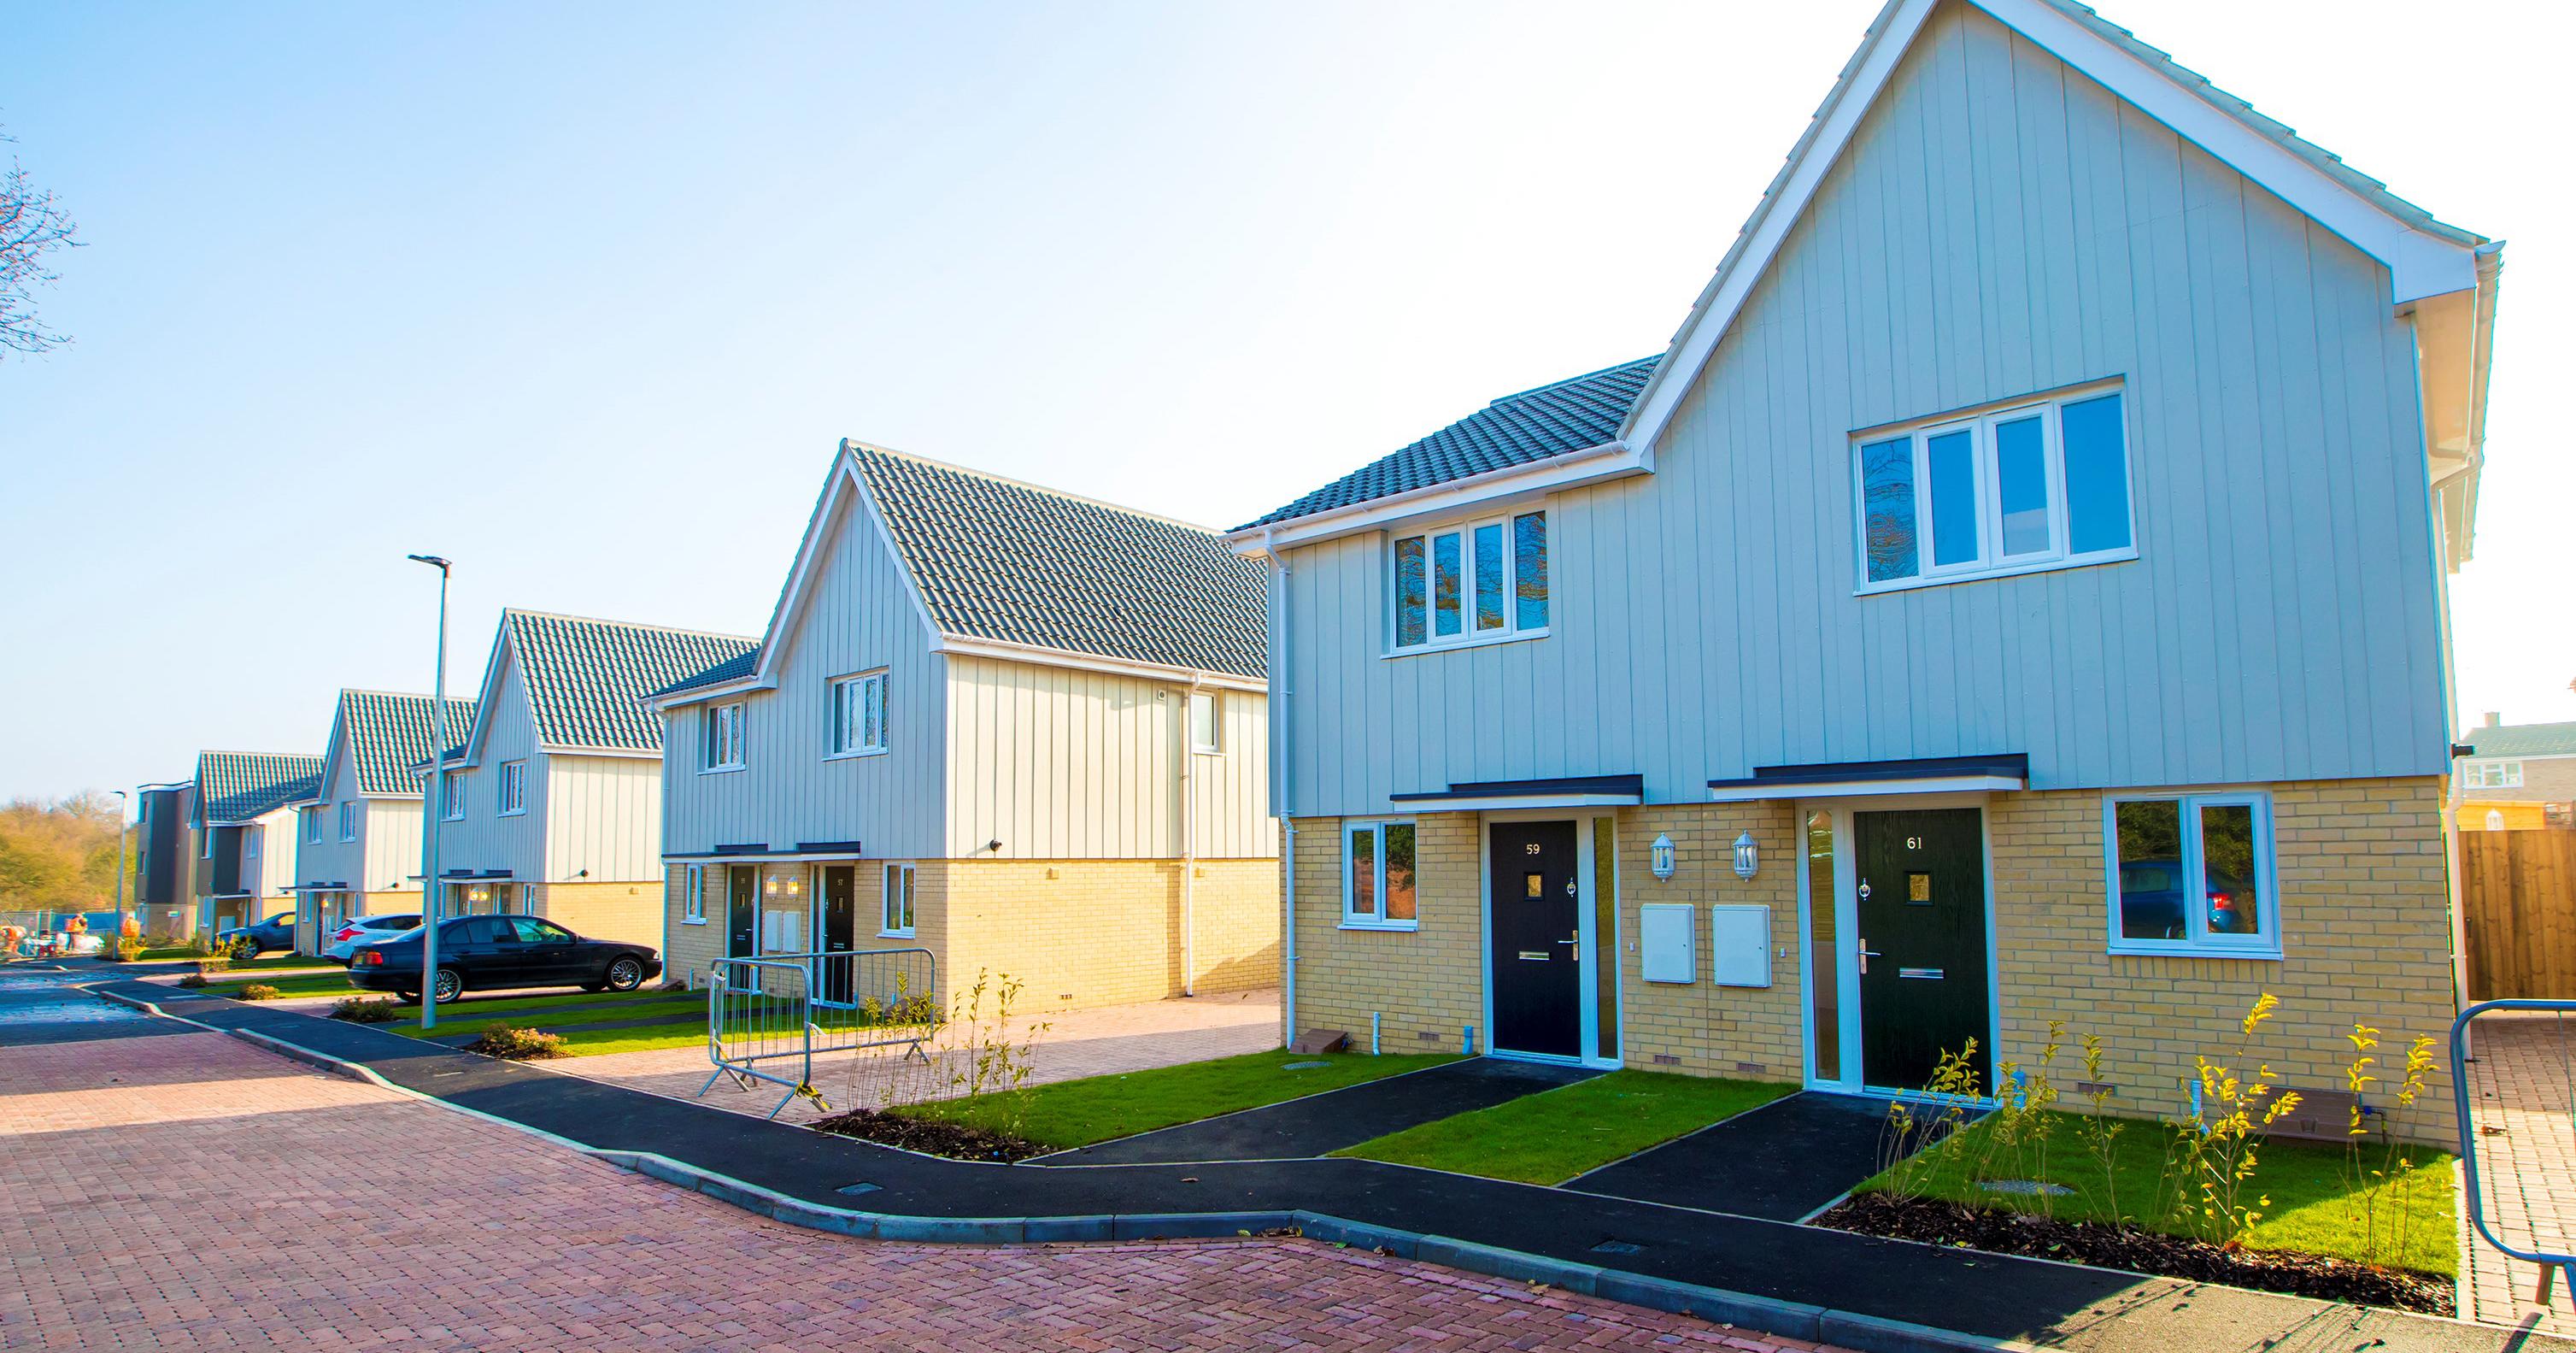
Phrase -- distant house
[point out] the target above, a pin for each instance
(2518, 776)
(2016, 595)
(165, 903)
(1021, 729)
(357, 839)
(554, 800)
(244, 826)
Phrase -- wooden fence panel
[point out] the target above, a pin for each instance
(2518, 907)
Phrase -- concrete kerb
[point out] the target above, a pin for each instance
(1787, 1319)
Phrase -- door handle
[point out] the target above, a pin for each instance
(1866, 954)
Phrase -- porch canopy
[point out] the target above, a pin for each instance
(1918, 775)
(1578, 791)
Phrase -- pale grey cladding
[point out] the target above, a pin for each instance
(1999, 226)
(858, 616)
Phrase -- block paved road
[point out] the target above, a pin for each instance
(189, 1190)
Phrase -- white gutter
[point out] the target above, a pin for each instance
(1189, 834)
(1280, 761)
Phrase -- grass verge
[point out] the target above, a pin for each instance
(1552, 1136)
(2315, 1208)
(303, 984)
(471, 1019)
(1099, 1108)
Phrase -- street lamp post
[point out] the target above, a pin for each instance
(117, 941)
(435, 802)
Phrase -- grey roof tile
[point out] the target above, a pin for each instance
(1571, 415)
(240, 786)
(1000, 560)
(587, 680)
(2525, 739)
(387, 736)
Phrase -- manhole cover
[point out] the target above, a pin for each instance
(1616, 1247)
(855, 1190)
(2025, 1186)
(1303, 1066)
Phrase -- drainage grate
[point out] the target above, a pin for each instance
(856, 1189)
(1303, 1066)
(1616, 1247)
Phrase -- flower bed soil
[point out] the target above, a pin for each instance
(930, 1136)
(2304, 1275)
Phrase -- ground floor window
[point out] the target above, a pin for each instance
(2192, 874)
(898, 900)
(1824, 961)
(1377, 875)
(693, 895)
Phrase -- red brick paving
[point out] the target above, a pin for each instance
(2520, 1085)
(192, 1191)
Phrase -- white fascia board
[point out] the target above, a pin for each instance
(1400, 807)
(960, 646)
(2419, 264)
(698, 695)
(1569, 469)
(1838, 789)
(572, 749)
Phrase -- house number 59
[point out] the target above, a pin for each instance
(1531, 848)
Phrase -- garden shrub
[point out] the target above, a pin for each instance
(518, 1045)
(193, 980)
(367, 1009)
(260, 991)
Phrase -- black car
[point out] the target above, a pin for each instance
(250, 941)
(489, 953)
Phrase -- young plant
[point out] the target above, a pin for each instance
(2098, 1130)
(2218, 1154)
(1921, 1138)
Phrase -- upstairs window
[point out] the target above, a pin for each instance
(1204, 727)
(250, 843)
(858, 715)
(455, 792)
(720, 740)
(2491, 774)
(348, 823)
(514, 788)
(206, 844)
(2038, 484)
(312, 818)
(1476, 582)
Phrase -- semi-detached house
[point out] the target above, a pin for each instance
(1020, 729)
(242, 816)
(554, 797)
(2016, 595)
(358, 838)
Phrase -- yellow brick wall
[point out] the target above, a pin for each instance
(1748, 1033)
(1426, 984)
(2365, 925)
(1076, 933)
(629, 913)
(1079, 933)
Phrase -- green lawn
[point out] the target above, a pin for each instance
(1078, 1113)
(1550, 1137)
(474, 1018)
(2313, 1208)
(334, 983)
(474, 1009)
(238, 965)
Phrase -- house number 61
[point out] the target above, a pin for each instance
(1914, 843)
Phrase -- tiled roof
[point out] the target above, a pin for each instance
(587, 679)
(240, 786)
(2524, 739)
(388, 736)
(731, 669)
(1000, 560)
(1571, 415)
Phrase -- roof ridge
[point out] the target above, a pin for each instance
(1570, 380)
(509, 611)
(235, 751)
(849, 443)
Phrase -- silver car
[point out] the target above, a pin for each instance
(360, 931)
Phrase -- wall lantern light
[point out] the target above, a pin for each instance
(769, 885)
(1748, 857)
(1663, 856)
(795, 887)
(478, 894)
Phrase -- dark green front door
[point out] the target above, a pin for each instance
(1537, 959)
(1921, 885)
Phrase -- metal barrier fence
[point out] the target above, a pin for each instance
(2518, 1066)
(767, 1017)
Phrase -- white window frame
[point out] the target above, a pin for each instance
(250, 843)
(455, 792)
(911, 894)
(1353, 920)
(2492, 773)
(856, 715)
(720, 738)
(510, 789)
(312, 818)
(2199, 943)
(1990, 561)
(693, 896)
(348, 822)
(206, 842)
(1468, 636)
(1214, 743)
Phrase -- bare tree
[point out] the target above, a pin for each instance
(32, 225)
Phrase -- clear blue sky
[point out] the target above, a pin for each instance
(583, 295)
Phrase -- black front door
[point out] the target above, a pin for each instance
(840, 926)
(742, 911)
(1921, 886)
(1537, 962)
